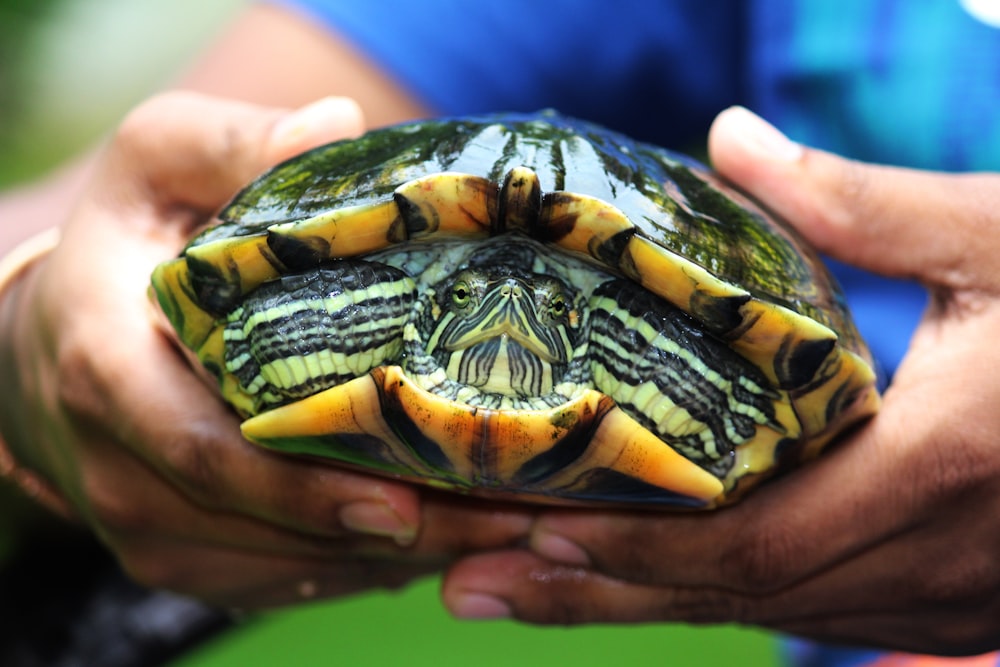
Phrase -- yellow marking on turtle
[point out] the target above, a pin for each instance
(451, 203)
(673, 277)
(850, 381)
(172, 285)
(347, 232)
(212, 352)
(463, 430)
(619, 443)
(584, 222)
(756, 460)
(623, 445)
(245, 262)
(767, 326)
(313, 424)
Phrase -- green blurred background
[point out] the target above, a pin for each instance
(69, 69)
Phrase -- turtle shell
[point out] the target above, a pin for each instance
(677, 344)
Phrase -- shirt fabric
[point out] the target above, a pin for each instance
(913, 83)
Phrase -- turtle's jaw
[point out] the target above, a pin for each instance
(507, 328)
(502, 365)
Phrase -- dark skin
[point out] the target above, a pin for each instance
(889, 540)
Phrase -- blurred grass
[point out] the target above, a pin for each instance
(68, 70)
(412, 628)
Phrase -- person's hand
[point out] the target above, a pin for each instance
(890, 539)
(100, 403)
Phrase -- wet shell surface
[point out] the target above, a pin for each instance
(525, 306)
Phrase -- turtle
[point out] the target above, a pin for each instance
(525, 306)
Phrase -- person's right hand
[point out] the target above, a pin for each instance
(99, 402)
(887, 540)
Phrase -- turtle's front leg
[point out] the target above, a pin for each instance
(306, 332)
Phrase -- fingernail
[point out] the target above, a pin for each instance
(378, 519)
(557, 548)
(760, 136)
(479, 606)
(338, 112)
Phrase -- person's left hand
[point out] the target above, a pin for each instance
(891, 538)
(102, 410)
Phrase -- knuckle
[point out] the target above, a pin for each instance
(853, 198)
(191, 460)
(150, 570)
(967, 584)
(708, 606)
(80, 386)
(141, 124)
(762, 559)
(114, 512)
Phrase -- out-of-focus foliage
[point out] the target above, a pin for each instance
(20, 22)
(70, 69)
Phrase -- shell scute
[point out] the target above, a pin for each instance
(337, 233)
(449, 204)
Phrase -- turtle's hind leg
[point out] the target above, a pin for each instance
(684, 385)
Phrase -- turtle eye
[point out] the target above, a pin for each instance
(557, 308)
(460, 294)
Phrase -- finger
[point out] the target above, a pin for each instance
(198, 447)
(144, 396)
(452, 525)
(187, 149)
(873, 487)
(237, 579)
(518, 584)
(899, 222)
(126, 501)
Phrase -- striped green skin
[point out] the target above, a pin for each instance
(480, 324)
(278, 341)
(684, 386)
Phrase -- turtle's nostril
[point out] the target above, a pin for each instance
(511, 288)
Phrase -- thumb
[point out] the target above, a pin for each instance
(192, 151)
(898, 222)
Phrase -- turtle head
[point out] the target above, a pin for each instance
(505, 329)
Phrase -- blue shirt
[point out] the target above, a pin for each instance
(907, 82)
